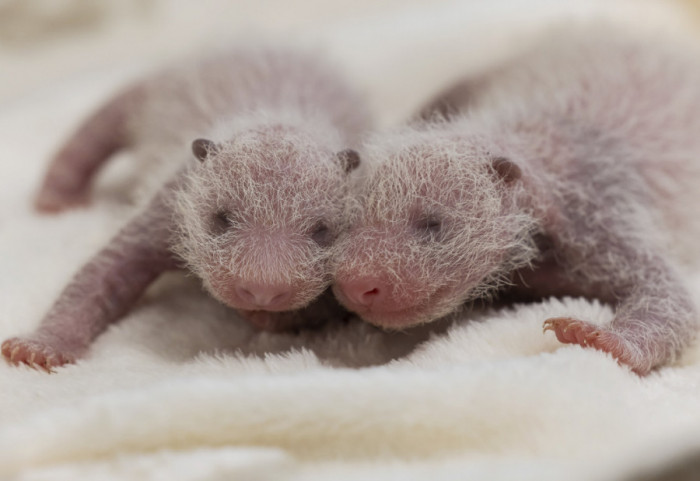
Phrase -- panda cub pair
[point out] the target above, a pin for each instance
(570, 170)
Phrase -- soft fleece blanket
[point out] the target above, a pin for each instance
(182, 390)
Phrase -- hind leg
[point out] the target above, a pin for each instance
(66, 183)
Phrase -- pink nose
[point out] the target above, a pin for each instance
(364, 292)
(262, 295)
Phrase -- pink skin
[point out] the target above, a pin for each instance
(251, 295)
(100, 293)
(264, 296)
(654, 312)
(600, 161)
(371, 298)
(283, 160)
(67, 182)
(407, 268)
(113, 281)
(375, 300)
(270, 254)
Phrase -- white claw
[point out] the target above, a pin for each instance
(14, 353)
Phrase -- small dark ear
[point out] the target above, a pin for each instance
(506, 170)
(201, 148)
(349, 159)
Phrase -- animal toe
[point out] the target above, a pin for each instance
(572, 331)
(34, 354)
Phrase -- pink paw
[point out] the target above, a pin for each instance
(35, 354)
(572, 331)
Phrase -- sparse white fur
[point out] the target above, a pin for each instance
(431, 174)
(241, 87)
(278, 117)
(273, 202)
(605, 129)
(253, 212)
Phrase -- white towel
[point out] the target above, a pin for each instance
(183, 390)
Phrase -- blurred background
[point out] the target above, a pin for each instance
(398, 49)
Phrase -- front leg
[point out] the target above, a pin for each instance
(100, 293)
(630, 348)
(601, 241)
(67, 181)
(655, 317)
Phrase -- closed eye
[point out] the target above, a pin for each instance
(429, 227)
(322, 234)
(222, 220)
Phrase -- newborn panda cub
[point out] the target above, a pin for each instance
(572, 171)
(258, 143)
